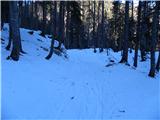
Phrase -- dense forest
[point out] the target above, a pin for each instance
(100, 25)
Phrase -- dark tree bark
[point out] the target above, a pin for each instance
(20, 12)
(137, 36)
(36, 15)
(158, 63)
(10, 38)
(4, 12)
(88, 28)
(31, 15)
(44, 6)
(126, 29)
(143, 31)
(26, 14)
(19, 22)
(116, 35)
(94, 24)
(53, 18)
(61, 23)
(6, 18)
(82, 35)
(131, 29)
(67, 26)
(155, 25)
(15, 30)
(102, 28)
(11, 34)
(148, 32)
(98, 30)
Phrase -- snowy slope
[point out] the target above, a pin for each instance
(80, 87)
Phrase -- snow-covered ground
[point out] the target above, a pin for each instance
(80, 87)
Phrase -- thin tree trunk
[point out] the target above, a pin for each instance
(61, 23)
(44, 19)
(20, 12)
(67, 27)
(154, 39)
(53, 19)
(98, 32)
(36, 15)
(143, 32)
(19, 22)
(137, 36)
(32, 16)
(10, 31)
(102, 37)
(131, 28)
(94, 24)
(126, 28)
(158, 63)
(10, 37)
(88, 29)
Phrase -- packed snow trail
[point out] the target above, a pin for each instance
(80, 87)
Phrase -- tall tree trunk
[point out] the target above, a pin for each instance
(10, 37)
(143, 30)
(158, 63)
(88, 29)
(53, 19)
(102, 24)
(94, 24)
(131, 29)
(67, 26)
(4, 12)
(20, 12)
(61, 23)
(126, 28)
(98, 31)
(44, 19)
(36, 15)
(31, 15)
(15, 30)
(148, 33)
(137, 35)
(11, 30)
(19, 22)
(26, 14)
(82, 39)
(155, 25)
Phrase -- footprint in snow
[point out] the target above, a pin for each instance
(50, 80)
(72, 84)
(122, 111)
(72, 98)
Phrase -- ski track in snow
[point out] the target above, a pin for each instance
(92, 96)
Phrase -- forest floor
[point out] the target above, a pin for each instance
(80, 87)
